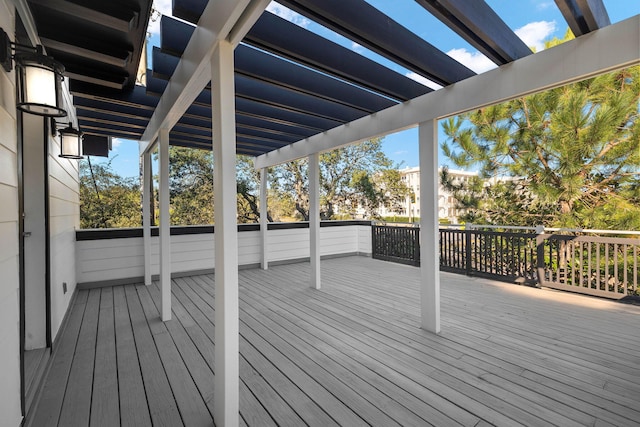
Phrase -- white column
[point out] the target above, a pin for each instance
(264, 223)
(165, 225)
(314, 219)
(146, 214)
(429, 256)
(227, 383)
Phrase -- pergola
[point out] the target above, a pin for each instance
(240, 81)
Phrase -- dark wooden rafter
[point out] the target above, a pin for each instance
(478, 24)
(584, 16)
(111, 14)
(290, 83)
(118, 59)
(282, 38)
(99, 42)
(174, 36)
(288, 40)
(367, 26)
(273, 106)
(265, 92)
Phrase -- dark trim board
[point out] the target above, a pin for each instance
(126, 233)
(47, 230)
(21, 260)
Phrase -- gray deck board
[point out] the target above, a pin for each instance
(76, 407)
(47, 411)
(349, 354)
(105, 408)
(161, 401)
(134, 408)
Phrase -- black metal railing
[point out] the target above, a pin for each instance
(603, 266)
(500, 255)
(396, 243)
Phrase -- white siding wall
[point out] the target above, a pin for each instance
(9, 282)
(364, 240)
(111, 259)
(64, 219)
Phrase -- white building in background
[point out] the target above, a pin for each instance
(446, 203)
(447, 210)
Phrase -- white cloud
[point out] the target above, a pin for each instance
(356, 47)
(286, 13)
(115, 143)
(543, 5)
(535, 33)
(475, 61)
(161, 7)
(423, 80)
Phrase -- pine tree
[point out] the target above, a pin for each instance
(576, 147)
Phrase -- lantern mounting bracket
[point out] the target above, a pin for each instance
(7, 47)
(5, 51)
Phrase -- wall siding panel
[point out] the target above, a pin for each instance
(113, 259)
(64, 219)
(10, 414)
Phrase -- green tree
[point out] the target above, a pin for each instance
(385, 188)
(107, 200)
(191, 182)
(191, 186)
(577, 149)
(290, 179)
(248, 190)
(506, 202)
(348, 175)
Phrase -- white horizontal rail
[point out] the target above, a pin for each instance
(587, 230)
(545, 229)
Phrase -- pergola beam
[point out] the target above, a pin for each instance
(367, 26)
(607, 49)
(584, 16)
(480, 25)
(193, 72)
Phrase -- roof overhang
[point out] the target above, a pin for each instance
(297, 92)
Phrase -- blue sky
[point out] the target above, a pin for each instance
(533, 20)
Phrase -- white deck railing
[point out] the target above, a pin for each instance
(117, 255)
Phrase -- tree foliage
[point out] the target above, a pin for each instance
(504, 202)
(353, 175)
(575, 148)
(107, 200)
(191, 186)
(358, 174)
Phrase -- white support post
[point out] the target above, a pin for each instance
(264, 223)
(146, 214)
(227, 361)
(429, 257)
(314, 219)
(165, 225)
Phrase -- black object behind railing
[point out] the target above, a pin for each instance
(396, 243)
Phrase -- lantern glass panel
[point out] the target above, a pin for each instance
(40, 91)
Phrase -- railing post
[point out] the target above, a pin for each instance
(467, 248)
(416, 245)
(540, 254)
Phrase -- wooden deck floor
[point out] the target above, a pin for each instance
(351, 354)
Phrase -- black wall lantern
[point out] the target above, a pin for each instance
(70, 142)
(39, 78)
